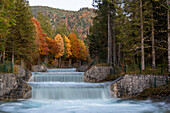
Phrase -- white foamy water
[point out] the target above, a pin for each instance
(83, 106)
(57, 76)
(63, 91)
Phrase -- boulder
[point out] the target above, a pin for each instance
(39, 68)
(22, 73)
(11, 87)
(97, 73)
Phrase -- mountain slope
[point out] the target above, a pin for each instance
(74, 20)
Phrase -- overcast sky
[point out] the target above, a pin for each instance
(63, 4)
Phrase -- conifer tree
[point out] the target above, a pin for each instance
(45, 24)
(6, 20)
(21, 38)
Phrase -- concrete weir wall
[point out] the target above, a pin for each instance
(131, 85)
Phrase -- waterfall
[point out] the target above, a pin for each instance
(66, 84)
(57, 76)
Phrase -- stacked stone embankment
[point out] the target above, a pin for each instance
(132, 85)
(127, 86)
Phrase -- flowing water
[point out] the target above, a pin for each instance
(63, 91)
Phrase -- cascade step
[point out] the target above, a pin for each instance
(66, 84)
(62, 70)
(57, 76)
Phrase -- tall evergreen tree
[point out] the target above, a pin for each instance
(101, 33)
(45, 24)
(21, 37)
(6, 20)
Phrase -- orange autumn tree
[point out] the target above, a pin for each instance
(52, 45)
(68, 47)
(83, 51)
(75, 46)
(40, 39)
(43, 46)
(54, 49)
(37, 31)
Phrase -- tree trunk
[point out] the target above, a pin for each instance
(39, 61)
(114, 39)
(114, 45)
(4, 56)
(119, 55)
(0, 57)
(46, 59)
(142, 39)
(109, 60)
(153, 43)
(80, 63)
(70, 63)
(13, 58)
(59, 62)
(168, 22)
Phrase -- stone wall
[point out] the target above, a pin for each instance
(12, 88)
(97, 73)
(131, 85)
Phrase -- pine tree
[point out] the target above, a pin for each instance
(98, 36)
(6, 20)
(45, 24)
(21, 38)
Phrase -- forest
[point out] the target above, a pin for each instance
(33, 41)
(74, 20)
(118, 33)
(132, 33)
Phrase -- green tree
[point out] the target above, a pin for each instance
(21, 39)
(6, 20)
(45, 24)
(98, 33)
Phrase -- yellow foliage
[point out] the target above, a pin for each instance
(60, 43)
(48, 38)
(15, 69)
(68, 47)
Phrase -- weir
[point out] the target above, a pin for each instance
(66, 84)
(57, 76)
(63, 96)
